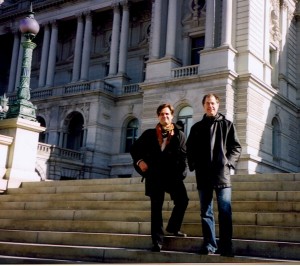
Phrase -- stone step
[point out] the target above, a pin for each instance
(139, 187)
(271, 177)
(116, 255)
(25, 260)
(278, 250)
(140, 196)
(111, 217)
(244, 218)
(258, 232)
(137, 180)
(238, 206)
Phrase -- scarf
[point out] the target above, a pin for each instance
(164, 132)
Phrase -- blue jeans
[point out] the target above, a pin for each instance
(223, 196)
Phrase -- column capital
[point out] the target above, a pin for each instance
(115, 4)
(125, 4)
(15, 30)
(87, 13)
(53, 23)
(78, 15)
(284, 4)
(44, 24)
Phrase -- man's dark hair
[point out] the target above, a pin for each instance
(211, 95)
(165, 105)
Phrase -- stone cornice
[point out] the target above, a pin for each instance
(13, 11)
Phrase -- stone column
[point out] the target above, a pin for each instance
(13, 64)
(78, 49)
(52, 55)
(209, 24)
(226, 23)
(44, 59)
(114, 48)
(60, 139)
(266, 45)
(156, 29)
(86, 51)
(124, 39)
(171, 28)
(85, 131)
(186, 50)
(283, 48)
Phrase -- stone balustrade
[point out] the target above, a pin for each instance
(72, 88)
(131, 88)
(185, 71)
(53, 150)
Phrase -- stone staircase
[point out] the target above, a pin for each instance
(108, 221)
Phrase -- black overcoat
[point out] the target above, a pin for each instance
(213, 148)
(165, 168)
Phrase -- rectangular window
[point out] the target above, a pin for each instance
(197, 46)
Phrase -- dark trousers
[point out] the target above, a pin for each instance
(180, 198)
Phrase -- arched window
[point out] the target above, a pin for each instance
(276, 143)
(131, 133)
(75, 131)
(42, 135)
(186, 117)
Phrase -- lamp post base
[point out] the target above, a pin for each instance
(23, 109)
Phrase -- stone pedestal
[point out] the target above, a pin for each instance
(118, 81)
(23, 150)
(160, 69)
(217, 59)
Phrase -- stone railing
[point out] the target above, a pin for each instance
(131, 88)
(43, 93)
(185, 71)
(44, 148)
(71, 88)
(53, 162)
(52, 150)
(78, 87)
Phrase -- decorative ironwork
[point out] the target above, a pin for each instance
(22, 107)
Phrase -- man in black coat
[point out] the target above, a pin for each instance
(159, 155)
(213, 149)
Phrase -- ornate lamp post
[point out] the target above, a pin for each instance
(22, 107)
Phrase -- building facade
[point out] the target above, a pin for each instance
(101, 68)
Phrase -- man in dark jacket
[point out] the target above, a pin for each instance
(213, 149)
(159, 155)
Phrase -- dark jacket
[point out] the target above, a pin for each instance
(165, 168)
(212, 149)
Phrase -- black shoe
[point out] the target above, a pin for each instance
(156, 247)
(226, 252)
(178, 233)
